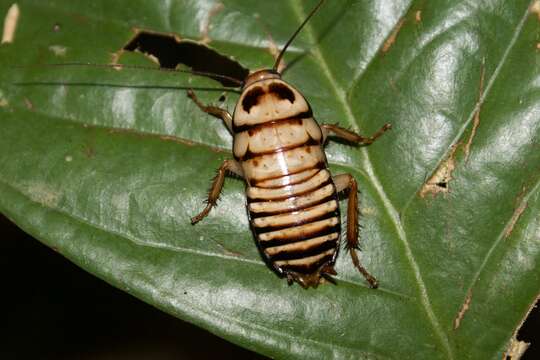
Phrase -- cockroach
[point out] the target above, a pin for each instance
(292, 198)
(278, 149)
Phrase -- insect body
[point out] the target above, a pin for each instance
(292, 198)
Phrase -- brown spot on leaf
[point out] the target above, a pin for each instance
(439, 181)
(522, 205)
(393, 35)
(476, 120)
(463, 310)
(418, 16)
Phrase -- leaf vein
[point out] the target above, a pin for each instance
(475, 109)
(389, 207)
(502, 235)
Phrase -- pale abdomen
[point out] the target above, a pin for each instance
(295, 215)
(292, 201)
(297, 226)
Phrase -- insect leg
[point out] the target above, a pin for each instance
(212, 110)
(231, 166)
(347, 182)
(351, 136)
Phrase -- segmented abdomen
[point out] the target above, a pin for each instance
(297, 225)
(292, 201)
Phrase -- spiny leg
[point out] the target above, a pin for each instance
(352, 136)
(212, 110)
(347, 182)
(217, 184)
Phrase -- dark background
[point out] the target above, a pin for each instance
(51, 309)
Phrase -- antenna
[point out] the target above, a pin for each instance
(121, 66)
(282, 52)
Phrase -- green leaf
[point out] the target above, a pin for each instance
(106, 167)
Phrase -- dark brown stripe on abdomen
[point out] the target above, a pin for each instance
(299, 232)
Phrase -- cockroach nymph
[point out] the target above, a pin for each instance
(292, 199)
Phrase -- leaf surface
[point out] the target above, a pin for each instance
(106, 167)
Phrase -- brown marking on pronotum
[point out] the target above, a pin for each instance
(418, 16)
(535, 9)
(10, 24)
(439, 181)
(393, 36)
(476, 120)
(517, 213)
(252, 98)
(463, 310)
(205, 24)
(283, 92)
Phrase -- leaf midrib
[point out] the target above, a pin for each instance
(389, 207)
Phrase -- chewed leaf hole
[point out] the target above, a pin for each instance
(527, 338)
(170, 50)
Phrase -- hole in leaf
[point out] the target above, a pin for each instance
(529, 333)
(170, 51)
(443, 185)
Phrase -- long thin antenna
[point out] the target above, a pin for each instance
(282, 52)
(122, 66)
